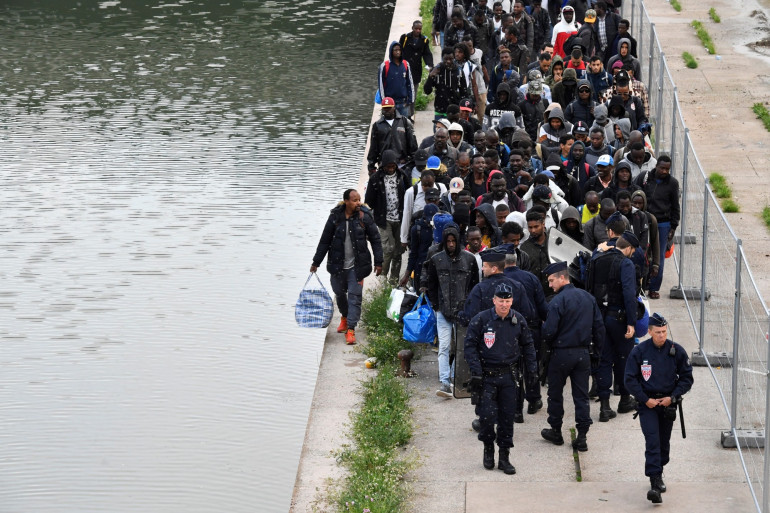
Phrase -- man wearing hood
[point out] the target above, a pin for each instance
(570, 224)
(652, 256)
(502, 104)
(391, 132)
(566, 182)
(624, 138)
(597, 146)
(624, 27)
(577, 166)
(508, 124)
(602, 121)
(662, 191)
(621, 182)
(498, 75)
(551, 132)
(562, 30)
(486, 220)
(640, 159)
(456, 136)
(532, 108)
(565, 91)
(385, 196)
(555, 74)
(624, 55)
(395, 81)
(582, 107)
(452, 273)
(449, 83)
(344, 238)
(620, 93)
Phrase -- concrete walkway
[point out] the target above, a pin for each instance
(450, 478)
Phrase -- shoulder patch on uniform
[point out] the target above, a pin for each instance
(489, 339)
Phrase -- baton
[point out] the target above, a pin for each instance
(681, 419)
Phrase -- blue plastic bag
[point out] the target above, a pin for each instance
(642, 318)
(314, 308)
(377, 97)
(420, 322)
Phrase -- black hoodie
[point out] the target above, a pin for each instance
(451, 276)
(450, 87)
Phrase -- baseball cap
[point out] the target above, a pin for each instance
(535, 87)
(604, 160)
(456, 185)
(432, 194)
(590, 16)
(444, 121)
(622, 77)
(421, 157)
(534, 74)
(542, 192)
(388, 102)
(580, 128)
(456, 127)
(465, 104)
(433, 162)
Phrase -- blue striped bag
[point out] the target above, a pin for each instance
(314, 308)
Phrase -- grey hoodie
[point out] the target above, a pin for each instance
(602, 120)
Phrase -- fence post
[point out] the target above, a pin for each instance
(683, 223)
(658, 110)
(633, 10)
(702, 326)
(766, 479)
(736, 339)
(652, 46)
(673, 130)
(640, 37)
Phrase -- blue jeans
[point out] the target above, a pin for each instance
(348, 292)
(403, 108)
(444, 328)
(663, 230)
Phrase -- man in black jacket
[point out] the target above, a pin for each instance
(344, 238)
(391, 132)
(449, 83)
(415, 49)
(385, 196)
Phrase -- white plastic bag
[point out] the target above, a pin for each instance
(394, 304)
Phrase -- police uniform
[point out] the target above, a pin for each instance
(573, 331)
(653, 373)
(493, 346)
(612, 281)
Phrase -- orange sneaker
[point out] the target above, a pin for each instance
(350, 337)
(343, 327)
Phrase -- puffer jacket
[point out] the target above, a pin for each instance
(361, 227)
(451, 276)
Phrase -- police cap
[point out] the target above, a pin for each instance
(555, 268)
(506, 249)
(631, 238)
(616, 216)
(657, 320)
(491, 255)
(504, 291)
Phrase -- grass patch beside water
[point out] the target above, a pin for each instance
(761, 111)
(704, 36)
(382, 427)
(714, 16)
(689, 60)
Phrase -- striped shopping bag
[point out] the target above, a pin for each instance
(314, 308)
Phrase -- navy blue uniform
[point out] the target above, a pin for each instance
(573, 323)
(653, 372)
(493, 346)
(617, 275)
(536, 297)
(480, 298)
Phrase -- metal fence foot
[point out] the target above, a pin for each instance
(692, 293)
(689, 238)
(747, 438)
(717, 359)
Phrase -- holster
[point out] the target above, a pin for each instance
(669, 413)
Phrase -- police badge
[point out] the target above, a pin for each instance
(646, 371)
(489, 339)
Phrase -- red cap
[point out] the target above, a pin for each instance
(388, 102)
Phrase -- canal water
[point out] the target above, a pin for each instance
(166, 171)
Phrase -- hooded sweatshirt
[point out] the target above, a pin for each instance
(577, 234)
(580, 169)
(593, 154)
(622, 145)
(490, 236)
(508, 125)
(562, 31)
(628, 59)
(395, 79)
(552, 135)
(565, 91)
(579, 110)
(549, 80)
(602, 120)
(500, 106)
(653, 251)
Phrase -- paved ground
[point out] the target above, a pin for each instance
(701, 476)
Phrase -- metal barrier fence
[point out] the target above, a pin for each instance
(728, 315)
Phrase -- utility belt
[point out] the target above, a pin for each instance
(494, 372)
(617, 313)
(658, 395)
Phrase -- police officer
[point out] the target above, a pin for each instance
(480, 299)
(658, 373)
(534, 318)
(612, 282)
(495, 340)
(573, 332)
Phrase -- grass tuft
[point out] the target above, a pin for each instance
(383, 335)
(766, 216)
(704, 36)
(676, 5)
(689, 60)
(714, 16)
(729, 206)
(761, 111)
(719, 186)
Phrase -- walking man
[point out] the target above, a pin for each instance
(658, 373)
(493, 344)
(573, 332)
(344, 238)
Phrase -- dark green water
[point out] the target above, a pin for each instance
(167, 169)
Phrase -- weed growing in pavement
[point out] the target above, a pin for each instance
(761, 111)
(766, 216)
(689, 60)
(383, 335)
(719, 186)
(704, 36)
(714, 16)
(730, 207)
(676, 5)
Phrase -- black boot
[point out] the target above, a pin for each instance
(534, 406)
(605, 412)
(504, 464)
(518, 417)
(476, 425)
(489, 455)
(653, 495)
(626, 404)
(580, 443)
(553, 436)
(657, 483)
(594, 391)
